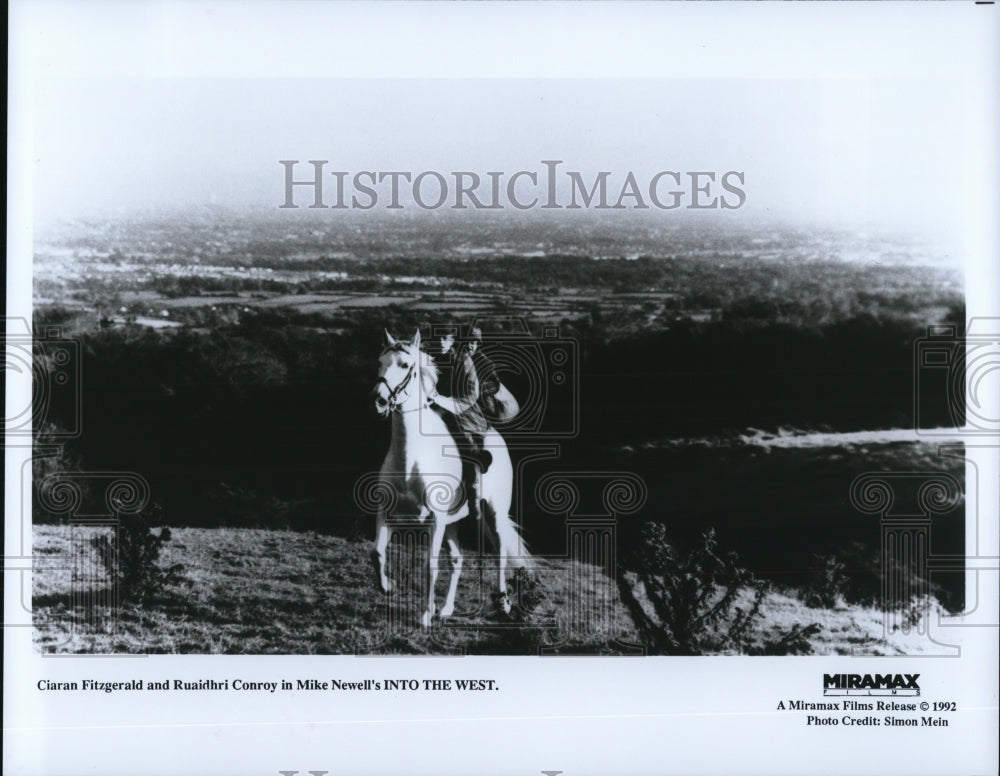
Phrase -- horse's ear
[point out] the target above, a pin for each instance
(416, 340)
(388, 339)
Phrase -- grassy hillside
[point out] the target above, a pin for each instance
(247, 591)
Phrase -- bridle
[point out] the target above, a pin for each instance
(395, 392)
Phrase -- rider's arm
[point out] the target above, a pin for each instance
(447, 403)
(489, 382)
(468, 396)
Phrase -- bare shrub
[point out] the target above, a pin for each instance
(828, 588)
(699, 602)
(794, 641)
(131, 556)
(911, 613)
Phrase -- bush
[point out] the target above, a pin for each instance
(695, 598)
(794, 641)
(910, 615)
(131, 557)
(700, 602)
(828, 588)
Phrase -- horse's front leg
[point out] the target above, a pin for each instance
(382, 535)
(434, 552)
(456, 570)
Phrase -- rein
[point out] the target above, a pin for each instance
(423, 406)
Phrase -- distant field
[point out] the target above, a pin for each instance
(627, 276)
(144, 305)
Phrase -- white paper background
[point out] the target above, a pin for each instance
(577, 715)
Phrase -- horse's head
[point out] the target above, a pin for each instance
(401, 367)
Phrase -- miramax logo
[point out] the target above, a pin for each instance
(871, 684)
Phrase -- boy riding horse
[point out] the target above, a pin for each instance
(469, 389)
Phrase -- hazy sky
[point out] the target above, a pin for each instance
(848, 149)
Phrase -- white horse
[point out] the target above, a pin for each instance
(423, 468)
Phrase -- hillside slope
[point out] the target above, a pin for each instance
(248, 591)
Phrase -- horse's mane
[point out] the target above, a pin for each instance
(428, 369)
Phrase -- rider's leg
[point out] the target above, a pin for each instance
(472, 481)
(483, 456)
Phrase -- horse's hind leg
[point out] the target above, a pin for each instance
(382, 536)
(503, 550)
(434, 552)
(456, 570)
(503, 600)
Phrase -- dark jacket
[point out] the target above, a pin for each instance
(489, 382)
(461, 382)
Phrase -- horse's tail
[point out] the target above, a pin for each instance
(518, 554)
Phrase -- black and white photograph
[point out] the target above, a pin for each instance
(582, 387)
